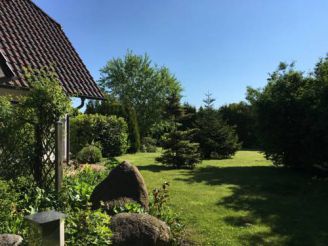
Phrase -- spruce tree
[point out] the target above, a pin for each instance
(209, 101)
(179, 150)
(172, 109)
(216, 138)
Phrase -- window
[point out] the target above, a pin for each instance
(2, 73)
(6, 73)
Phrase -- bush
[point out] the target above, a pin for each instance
(83, 226)
(78, 188)
(24, 127)
(292, 116)
(11, 220)
(16, 141)
(111, 106)
(128, 207)
(19, 198)
(241, 116)
(110, 131)
(89, 154)
(148, 145)
(88, 227)
(158, 207)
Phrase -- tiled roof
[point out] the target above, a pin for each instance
(30, 38)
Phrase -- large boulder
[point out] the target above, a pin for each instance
(123, 182)
(132, 229)
(10, 240)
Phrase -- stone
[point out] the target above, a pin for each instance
(123, 182)
(131, 229)
(10, 240)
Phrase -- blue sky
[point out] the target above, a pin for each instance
(220, 46)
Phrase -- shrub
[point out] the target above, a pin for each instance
(24, 127)
(89, 154)
(110, 131)
(111, 163)
(88, 227)
(78, 188)
(22, 197)
(11, 220)
(19, 198)
(16, 141)
(111, 106)
(292, 116)
(129, 207)
(241, 116)
(158, 207)
(148, 145)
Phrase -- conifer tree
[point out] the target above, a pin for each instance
(217, 139)
(134, 136)
(179, 150)
(209, 101)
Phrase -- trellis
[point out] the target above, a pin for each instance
(41, 152)
(50, 156)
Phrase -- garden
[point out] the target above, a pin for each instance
(247, 173)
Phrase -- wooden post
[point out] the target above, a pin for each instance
(59, 156)
(37, 168)
(68, 139)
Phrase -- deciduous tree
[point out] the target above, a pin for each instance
(134, 79)
(292, 116)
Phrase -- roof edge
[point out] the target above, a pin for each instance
(45, 13)
(16, 88)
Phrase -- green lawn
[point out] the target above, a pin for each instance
(244, 200)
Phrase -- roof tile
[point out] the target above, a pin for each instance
(30, 38)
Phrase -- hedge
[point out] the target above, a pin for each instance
(110, 132)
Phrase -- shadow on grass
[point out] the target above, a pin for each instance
(291, 203)
(154, 168)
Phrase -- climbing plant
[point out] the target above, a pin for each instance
(27, 128)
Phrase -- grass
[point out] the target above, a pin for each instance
(243, 201)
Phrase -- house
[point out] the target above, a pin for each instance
(31, 38)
